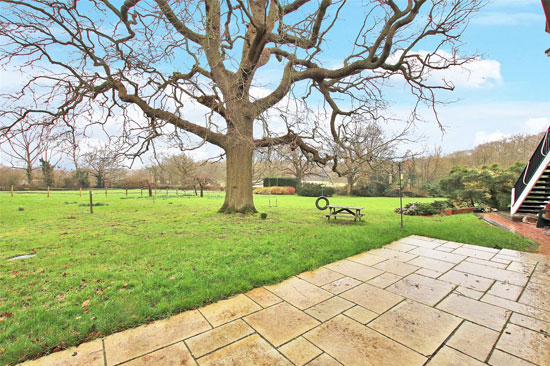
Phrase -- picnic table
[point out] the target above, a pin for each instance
(345, 210)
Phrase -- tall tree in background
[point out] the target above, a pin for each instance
(140, 63)
(363, 147)
(26, 143)
(103, 162)
(47, 172)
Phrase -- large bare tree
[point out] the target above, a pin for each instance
(142, 64)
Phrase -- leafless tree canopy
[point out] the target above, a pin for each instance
(26, 143)
(143, 63)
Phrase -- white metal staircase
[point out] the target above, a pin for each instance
(532, 189)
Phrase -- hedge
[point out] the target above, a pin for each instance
(275, 190)
(281, 182)
(314, 190)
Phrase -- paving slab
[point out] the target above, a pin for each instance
(515, 278)
(300, 351)
(499, 358)
(393, 254)
(474, 253)
(299, 293)
(467, 280)
(524, 309)
(505, 290)
(396, 267)
(537, 295)
(526, 344)
(468, 292)
(355, 270)
(324, 360)
(174, 355)
(476, 311)
(249, 351)
(384, 280)
(433, 264)
(423, 289)
(320, 276)
(341, 285)
(448, 356)
(219, 337)
(353, 344)
(417, 326)
(329, 308)
(263, 297)
(136, 342)
(367, 259)
(281, 323)
(227, 310)
(436, 254)
(90, 353)
(474, 340)
(372, 298)
(530, 323)
(360, 314)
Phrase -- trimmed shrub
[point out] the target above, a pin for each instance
(275, 190)
(391, 192)
(314, 190)
(281, 182)
(425, 209)
(373, 189)
(263, 215)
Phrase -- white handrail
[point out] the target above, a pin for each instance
(526, 170)
(544, 143)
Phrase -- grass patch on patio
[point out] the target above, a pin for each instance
(138, 259)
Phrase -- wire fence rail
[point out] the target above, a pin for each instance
(140, 192)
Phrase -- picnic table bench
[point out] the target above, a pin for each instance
(345, 210)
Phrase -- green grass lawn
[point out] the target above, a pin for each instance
(138, 259)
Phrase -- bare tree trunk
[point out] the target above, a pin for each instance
(238, 194)
(350, 185)
(29, 174)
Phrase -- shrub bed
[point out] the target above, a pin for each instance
(425, 209)
(275, 190)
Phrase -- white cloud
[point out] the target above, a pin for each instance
(478, 73)
(537, 124)
(467, 124)
(507, 19)
(483, 137)
(514, 3)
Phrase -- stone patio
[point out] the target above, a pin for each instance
(418, 301)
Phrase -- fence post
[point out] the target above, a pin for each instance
(91, 202)
(12, 190)
(141, 192)
(80, 191)
(105, 191)
(48, 191)
(126, 192)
